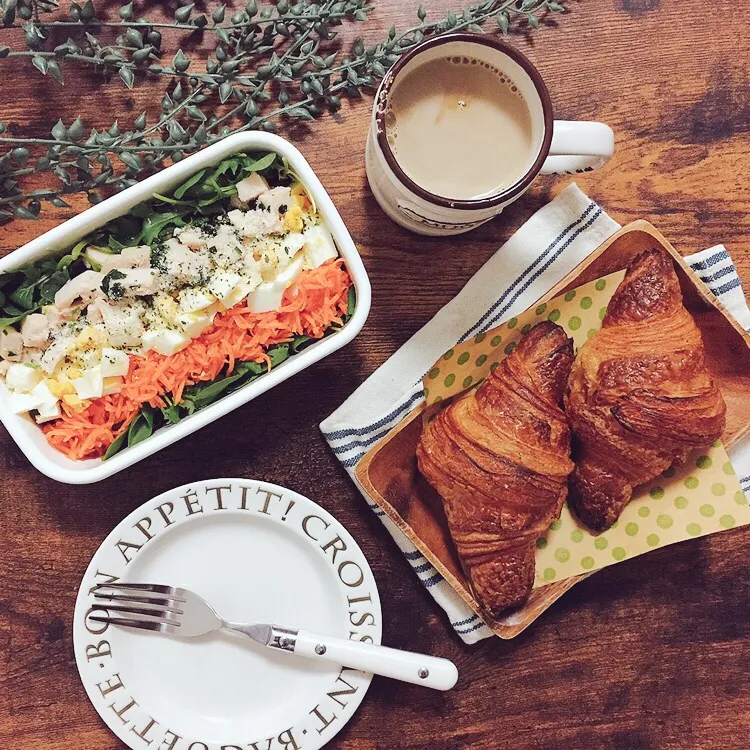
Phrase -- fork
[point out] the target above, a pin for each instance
(181, 612)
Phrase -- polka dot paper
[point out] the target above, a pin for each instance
(700, 497)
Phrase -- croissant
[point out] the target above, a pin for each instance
(500, 459)
(640, 396)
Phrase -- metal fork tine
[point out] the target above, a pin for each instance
(156, 601)
(159, 627)
(156, 588)
(172, 616)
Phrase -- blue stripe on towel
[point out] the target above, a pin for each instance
(702, 265)
(733, 284)
(480, 325)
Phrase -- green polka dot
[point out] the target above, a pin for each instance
(600, 542)
(481, 359)
(587, 563)
(549, 574)
(554, 315)
(718, 489)
(656, 493)
(562, 555)
(449, 380)
(434, 372)
(570, 295)
(693, 529)
(602, 313)
(541, 309)
(663, 521)
(728, 469)
(512, 323)
(717, 444)
(599, 286)
(590, 332)
(668, 473)
(631, 529)
(576, 535)
(479, 338)
(681, 502)
(644, 511)
(468, 380)
(510, 347)
(526, 329)
(727, 521)
(426, 392)
(739, 498)
(618, 553)
(555, 525)
(574, 323)
(586, 302)
(615, 524)
(495, 341)
(494, 366)
(464, 358)
(707, 510)
(437, 400)
(703, 462)
(541, 543)
(691, 483)
(652, 540)
(448, 354)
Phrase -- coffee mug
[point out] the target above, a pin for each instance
(556, 146)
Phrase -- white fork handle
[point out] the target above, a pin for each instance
(419, 669)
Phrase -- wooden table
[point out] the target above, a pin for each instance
(652, 653)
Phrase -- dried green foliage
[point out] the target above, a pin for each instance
(268, 63)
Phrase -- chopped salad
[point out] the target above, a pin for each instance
(163, 311)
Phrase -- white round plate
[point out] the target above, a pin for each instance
(258, 553)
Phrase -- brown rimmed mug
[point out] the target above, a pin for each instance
(560, 147)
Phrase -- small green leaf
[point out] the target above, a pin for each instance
(40, 63)
(503, 22)
(421, 13)
(54, 69)
(87, 11)
(126, 12)
(180, 62)
(225, 91)
(182, 14)
(75, 131)
(116, 447)
(20, 155)
(218, 15)
(534, 22)
(140, 121)
(59, 131)
(131, 160)
(143, 54)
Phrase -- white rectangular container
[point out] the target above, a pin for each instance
(24, 430)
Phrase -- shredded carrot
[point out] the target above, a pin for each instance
(316, 302)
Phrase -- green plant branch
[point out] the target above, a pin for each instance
(287, 51)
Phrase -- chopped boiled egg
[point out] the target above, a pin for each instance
(47, 412)
(20, 403)
(90, 384)
(194, 299)
(251, 187)
(223, 283)
(193, 324)
(112, 385)
(21, 377)
(319, 246)
(269, 295)
(277, 200)
(191, 237)
(237, 295)
(114, 363)
(165, 342)
(292, 220)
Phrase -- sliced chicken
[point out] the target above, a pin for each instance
(35, 330)
(82, 288)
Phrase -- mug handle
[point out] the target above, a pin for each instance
(578, 147)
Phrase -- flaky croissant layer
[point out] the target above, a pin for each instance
(499, 457)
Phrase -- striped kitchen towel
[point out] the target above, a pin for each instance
(547, 247)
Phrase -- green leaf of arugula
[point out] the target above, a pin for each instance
(117, 446)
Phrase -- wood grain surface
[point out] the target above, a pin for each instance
(652, 653)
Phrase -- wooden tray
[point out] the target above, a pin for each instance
(388, 472)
